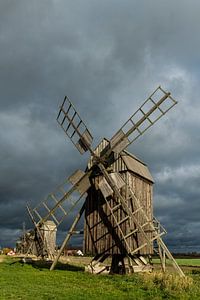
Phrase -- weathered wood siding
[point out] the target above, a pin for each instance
(48, 232)
(99, 235)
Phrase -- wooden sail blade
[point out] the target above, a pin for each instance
(105, 187)
(61, 202)
(74, 127)
(80, 180)
(156, 106)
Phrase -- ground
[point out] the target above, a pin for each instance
(69, 281)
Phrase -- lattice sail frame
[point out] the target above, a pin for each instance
(156, 106)
(59, 204)
(74, 127)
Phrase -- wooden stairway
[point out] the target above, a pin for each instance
(141, 220)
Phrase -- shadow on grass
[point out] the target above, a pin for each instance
(195, 272)
(41, 264)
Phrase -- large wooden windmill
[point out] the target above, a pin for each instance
(117, 186)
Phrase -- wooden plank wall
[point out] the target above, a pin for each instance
(99, 235)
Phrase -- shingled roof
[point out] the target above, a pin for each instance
(128, 162)
(136, 166)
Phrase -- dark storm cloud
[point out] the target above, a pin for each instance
(107, 56)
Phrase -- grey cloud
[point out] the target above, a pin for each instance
(107, 57)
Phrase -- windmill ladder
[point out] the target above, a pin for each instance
(134, 219)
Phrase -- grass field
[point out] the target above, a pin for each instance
(26, 281)
(193, 262)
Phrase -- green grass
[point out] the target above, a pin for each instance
(184, 261)
(32, 282)
(188, 261)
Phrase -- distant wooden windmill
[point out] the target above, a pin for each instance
(118, 208)
(40, 241)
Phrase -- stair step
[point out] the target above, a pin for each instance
(116, 207)
(131, 233)
(143, 260)
(138, 262)
(123, 220)
(146, 268)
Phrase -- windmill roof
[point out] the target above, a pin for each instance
(136, 166)
(130, 162)
(49, 224)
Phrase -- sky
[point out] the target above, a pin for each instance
(107, 56)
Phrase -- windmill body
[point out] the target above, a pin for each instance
(40, 242)
(98, 229)
(48, 232)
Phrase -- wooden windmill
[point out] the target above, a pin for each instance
(41, 241)
(117, 186)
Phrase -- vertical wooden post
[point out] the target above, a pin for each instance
(117, 265)
(68, 236)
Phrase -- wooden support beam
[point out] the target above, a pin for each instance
(76, 220)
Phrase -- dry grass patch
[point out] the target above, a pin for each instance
(2, 257)
(168, 282)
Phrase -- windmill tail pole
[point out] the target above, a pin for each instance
(169, 255)
(68, 237)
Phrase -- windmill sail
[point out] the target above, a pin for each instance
(156, 106)
(61, 202)
(74, 127)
